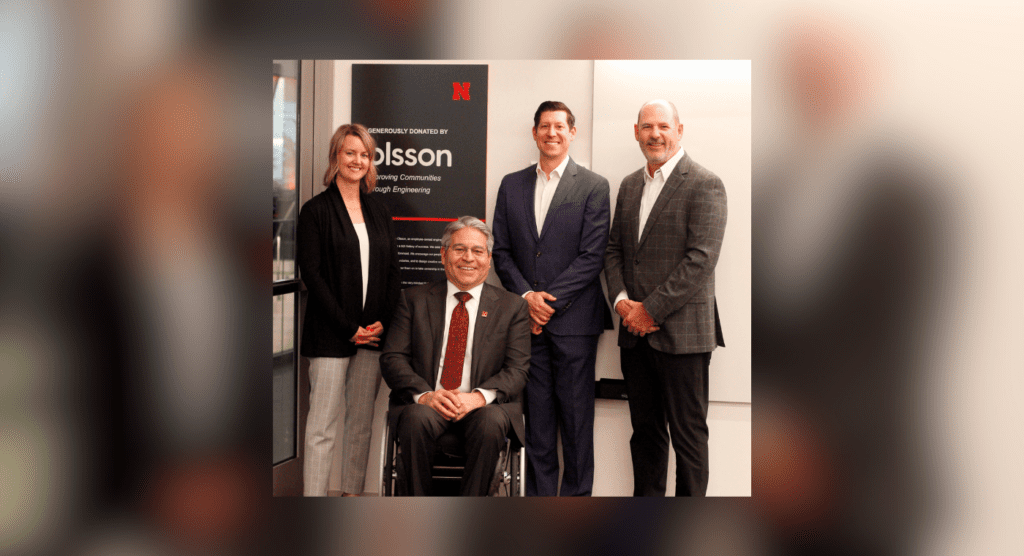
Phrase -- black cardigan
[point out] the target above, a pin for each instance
(328, 257)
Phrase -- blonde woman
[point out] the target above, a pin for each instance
(349, 264)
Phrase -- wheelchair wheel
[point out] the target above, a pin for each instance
(514, 474)
(510, 482)
(387, 460)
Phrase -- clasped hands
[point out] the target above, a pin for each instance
(368, 336)
(452, 404)
(636, 318)
(540, 311)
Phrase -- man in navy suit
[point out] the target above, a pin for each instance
(550, 233)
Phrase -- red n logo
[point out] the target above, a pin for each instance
(460, 91)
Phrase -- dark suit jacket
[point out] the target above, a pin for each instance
(328, 256)
(501, 346)
(671, 266)
(566, 259)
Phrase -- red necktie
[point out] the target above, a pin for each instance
(455, 352)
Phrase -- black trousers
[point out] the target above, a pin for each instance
(667, 389)
(483, 432)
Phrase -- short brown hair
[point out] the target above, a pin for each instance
(554, 106)
(359, 131)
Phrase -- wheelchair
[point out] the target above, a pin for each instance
(449, 463)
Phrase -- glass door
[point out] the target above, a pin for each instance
(288, 415)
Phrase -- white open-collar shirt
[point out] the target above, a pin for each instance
(652, 189)
(546, 191)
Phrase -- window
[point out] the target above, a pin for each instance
(286, 279)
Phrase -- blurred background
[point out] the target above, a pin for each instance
(136, 267)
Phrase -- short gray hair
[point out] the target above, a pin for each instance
(675, 113)
(467, 222)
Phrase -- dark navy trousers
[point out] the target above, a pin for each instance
(560, 397)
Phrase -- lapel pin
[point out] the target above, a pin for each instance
(483, 314)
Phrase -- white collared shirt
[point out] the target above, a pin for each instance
(545, 191)
(450, 302)
(652, 189)
(653, 186)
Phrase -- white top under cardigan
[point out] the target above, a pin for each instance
(364, 256)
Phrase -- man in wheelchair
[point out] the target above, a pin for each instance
(457, 358)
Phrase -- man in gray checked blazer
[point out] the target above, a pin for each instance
(660, 267)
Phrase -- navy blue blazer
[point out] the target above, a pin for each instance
(567, 258)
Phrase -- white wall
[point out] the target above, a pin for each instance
(515, 89)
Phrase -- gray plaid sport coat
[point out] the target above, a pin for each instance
(671, 266)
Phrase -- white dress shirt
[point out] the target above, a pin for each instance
(364, 256)
(471, 307)
(652, 189)
(653, 186)
(545, 191)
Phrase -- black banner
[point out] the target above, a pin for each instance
(430, 124)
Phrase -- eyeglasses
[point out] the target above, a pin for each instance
(460, 250)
